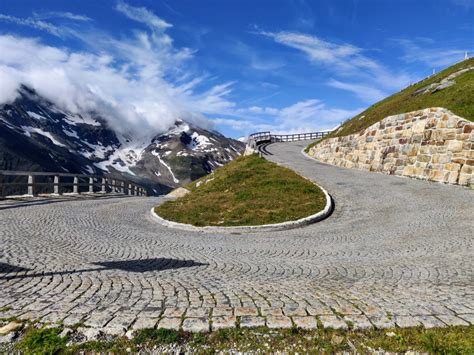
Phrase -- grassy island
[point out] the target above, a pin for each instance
(248, 191)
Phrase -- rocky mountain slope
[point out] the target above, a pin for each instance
(37, 135)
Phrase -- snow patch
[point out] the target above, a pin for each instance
(89, 169)
(35, 115)
(156, 154)
(7, 123)
(70, 133)
(28, 130)
(73, 120)
(199, 142)
(98, 150)
(122, 159)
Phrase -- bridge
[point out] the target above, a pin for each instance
(395, 251)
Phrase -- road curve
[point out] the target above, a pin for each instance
(395, 251)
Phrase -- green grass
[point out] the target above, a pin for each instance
(458, 98)
(449, 340)
(248, 191)
(42, 341)
(153, 337)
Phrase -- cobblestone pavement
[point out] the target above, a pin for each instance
(394, 252)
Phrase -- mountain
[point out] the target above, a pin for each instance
(37, 135)
(451, 88)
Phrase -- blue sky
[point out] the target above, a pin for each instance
(238, 66)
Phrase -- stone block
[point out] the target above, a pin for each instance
(274, 322)
(359, 321)
(222, 311)
(453, 177)
(197, 312)
(465, 179)
(196, 325)
(413, 150)
(223, 322)
(418, 127)
(382, 322)
(424, 158)
(452, 167)
(429, 321)
(467, 169)
(333, 322)
(406, 321)
(295, 311)
(245, 311)
(170, 323)
(454, 146)
(436, 175)
(251, 322)
(144, 322)
(305, 322)
(271, 311)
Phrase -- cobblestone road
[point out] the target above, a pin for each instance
(395, 251)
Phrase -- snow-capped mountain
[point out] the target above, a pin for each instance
(36, 135)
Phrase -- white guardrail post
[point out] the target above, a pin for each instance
(56, 185)
(103, 186)
(31, 185)
(91, 185)
(75, 187)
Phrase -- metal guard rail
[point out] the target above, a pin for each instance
(266, 137)
(105, 184)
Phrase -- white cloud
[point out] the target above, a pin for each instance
(33, 23)
(345, 60)
(344, 56)
(60, 14)
(142, 83)
(422, 50)
(129, 81)
(365, 93)
(303, 116)
(8, 88)
(141, 14)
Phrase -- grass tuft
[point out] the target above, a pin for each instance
(42, 341)
(247, 191)
(156, 336)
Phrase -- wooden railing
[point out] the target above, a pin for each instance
(28, 183)
(266, 137)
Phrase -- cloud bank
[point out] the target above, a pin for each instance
(346, 61)
(140, 84)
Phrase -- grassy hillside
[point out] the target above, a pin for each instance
(247, 191)
(458, 98)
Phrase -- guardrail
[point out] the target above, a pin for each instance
(28, 183)
(266, 137)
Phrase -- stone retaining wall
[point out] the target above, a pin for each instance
(431, 144)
